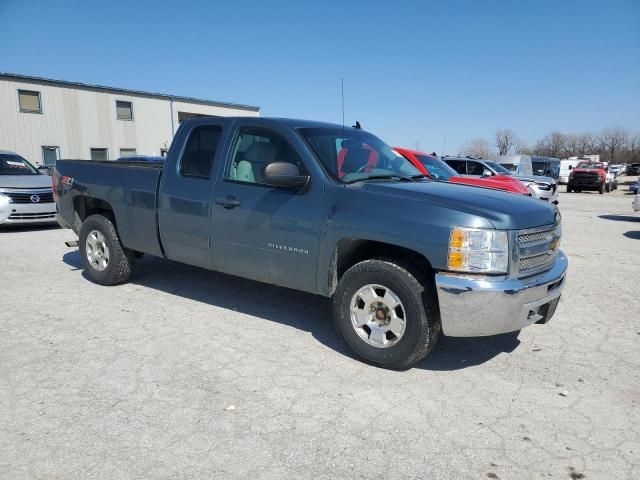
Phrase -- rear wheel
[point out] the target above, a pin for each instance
(387, 312)
(105, 260)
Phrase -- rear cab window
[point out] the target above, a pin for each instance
(200, 151)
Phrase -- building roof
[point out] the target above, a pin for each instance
(102, 88)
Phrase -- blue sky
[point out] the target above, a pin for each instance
(414, 71)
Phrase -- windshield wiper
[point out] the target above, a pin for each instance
(420, 175)
(382, 177)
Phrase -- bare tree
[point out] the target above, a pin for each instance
(505, 140)
(478, 147)
(587, 144)
(551, 145)
(613, 140)
(571, 145)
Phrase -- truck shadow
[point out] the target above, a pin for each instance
(304, 311)
(620, 218)
(632, 234)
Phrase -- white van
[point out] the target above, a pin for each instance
(518, 164)
(565, 169)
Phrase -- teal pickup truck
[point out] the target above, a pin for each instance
(332, 211)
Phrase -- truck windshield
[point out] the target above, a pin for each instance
(352, 155)
(437, 168)
(16, 165)
(590, 165)
(499, 169)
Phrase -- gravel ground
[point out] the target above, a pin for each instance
(185, 373)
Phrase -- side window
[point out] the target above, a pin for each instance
(474, 168)
(254, 148)
(199, 152)
(458, 165)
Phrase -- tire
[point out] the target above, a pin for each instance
(119, 261)
(569, 189)
(601, 189)
(607, 187)
(417, 304)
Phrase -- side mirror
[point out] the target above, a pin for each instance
(44, 170)
(486, 172)
(285, 174)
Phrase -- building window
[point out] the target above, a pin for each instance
(99, 154)
(50, 155)
(127, 152)
(124, 110)
(29, 101)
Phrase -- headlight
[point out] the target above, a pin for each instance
(478, 251)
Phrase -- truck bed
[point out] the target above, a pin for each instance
(130, 188)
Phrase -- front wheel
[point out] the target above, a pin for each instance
(106, 261)
(387, 312)
(569, 189)
(601, 189)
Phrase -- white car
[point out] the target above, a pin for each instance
(26, 195)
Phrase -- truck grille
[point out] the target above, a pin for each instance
(585, 178)
(537, 250)
(28, 196)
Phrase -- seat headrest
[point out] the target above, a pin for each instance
(355, 159)
(261, 152)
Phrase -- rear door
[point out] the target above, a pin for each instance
(262, 232)
(184, 202)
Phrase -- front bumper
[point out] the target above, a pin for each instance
(550, 196)
(472, 306)
(26, 213)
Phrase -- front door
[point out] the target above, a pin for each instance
(184, 206)
(261, 232)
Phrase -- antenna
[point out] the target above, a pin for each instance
(444, 142)
(342, 93)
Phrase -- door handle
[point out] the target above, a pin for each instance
(228, 202)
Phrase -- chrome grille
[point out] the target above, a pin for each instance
(533, 237)
(31, 216)
(537, 250)
(536, 261)
(44, 196)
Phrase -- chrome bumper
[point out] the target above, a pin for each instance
(14, 214)
(472, 306)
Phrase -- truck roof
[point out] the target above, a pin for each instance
(291, 122)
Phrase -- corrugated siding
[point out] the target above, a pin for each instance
(77, 120)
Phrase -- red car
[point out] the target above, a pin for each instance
(438, 170)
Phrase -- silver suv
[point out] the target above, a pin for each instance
(542, 188)
(26, 194)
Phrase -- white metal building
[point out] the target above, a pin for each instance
(44, 120)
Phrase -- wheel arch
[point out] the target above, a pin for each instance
(84, 207)
(350, 251)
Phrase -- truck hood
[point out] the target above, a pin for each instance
(505, 211)
(25, 181)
